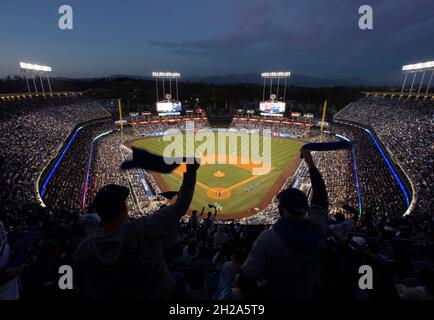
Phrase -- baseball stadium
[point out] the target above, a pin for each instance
(235, 152)
(233, 186)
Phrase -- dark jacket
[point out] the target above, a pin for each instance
(129, 263)
(285, 259)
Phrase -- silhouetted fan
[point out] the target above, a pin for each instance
(326, 146)
(350, 209)
(149, 161)
(168, 194)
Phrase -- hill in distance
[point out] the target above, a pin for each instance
(255, 78)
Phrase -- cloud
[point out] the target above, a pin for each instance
(164, 44)
(260, 26)
(317, 35)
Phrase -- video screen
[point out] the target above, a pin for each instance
(169, 107)
(272, 107)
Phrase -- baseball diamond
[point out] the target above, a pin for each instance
(241, 193)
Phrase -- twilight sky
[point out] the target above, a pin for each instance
(207, 37)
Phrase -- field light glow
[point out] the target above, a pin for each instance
(279, 74)
(36, 67)
(166, 74)
(418, 66)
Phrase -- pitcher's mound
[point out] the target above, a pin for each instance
(219, 174)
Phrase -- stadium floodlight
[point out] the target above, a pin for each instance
(429, 65)
(275, 75)
(415, 68)
(172, 75)
(169, 76)
(35, 67)
(279, 74)
(24, 66)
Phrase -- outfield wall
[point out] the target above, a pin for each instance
(229, 130)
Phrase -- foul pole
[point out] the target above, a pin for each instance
(120, 119)
(323, 117)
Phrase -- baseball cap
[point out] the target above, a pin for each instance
(110, 200)
(293, 200)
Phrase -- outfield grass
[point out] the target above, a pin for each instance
(242, 198)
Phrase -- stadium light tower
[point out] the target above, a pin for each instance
(272, 106)
(275, 75)
(415, 68)
(38, 70)
(169, 76)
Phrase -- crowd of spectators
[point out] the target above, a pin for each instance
(109, 153)
(202, 257)
(64, 190)
(32, 131)
(160, 126)
(293, 130)
(405, 127)
(338, 173)
(337, 170)
(105, 167)
(380, 192)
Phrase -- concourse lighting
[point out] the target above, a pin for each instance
(166, 74)
(279, 74)
(36, 67)
(419, 66)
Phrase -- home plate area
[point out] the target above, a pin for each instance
(219, 180)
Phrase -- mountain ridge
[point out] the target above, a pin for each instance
(296, 79)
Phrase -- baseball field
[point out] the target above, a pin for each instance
(242, 185)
